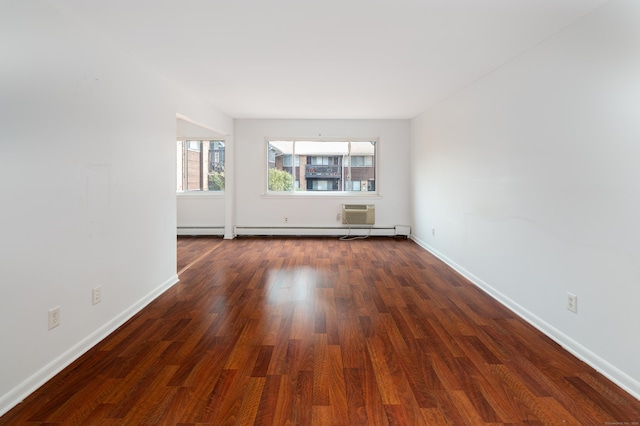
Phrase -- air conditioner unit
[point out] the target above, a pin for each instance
(358, 214)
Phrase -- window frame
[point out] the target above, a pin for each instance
(322, 193)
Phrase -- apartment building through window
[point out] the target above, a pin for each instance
(321, 165)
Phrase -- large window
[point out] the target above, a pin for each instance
(200, 166)
(321, 165)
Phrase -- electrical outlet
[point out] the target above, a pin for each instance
(338, 217)
(433, 232)
(286, 219)
(96, 295)
(572, 302)
(54, 317)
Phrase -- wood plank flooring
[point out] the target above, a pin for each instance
(317, 331)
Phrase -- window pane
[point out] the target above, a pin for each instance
(215, 179)
(280, 177)
(363, 171)
(194, 166)
(322, 164)
(361, 161)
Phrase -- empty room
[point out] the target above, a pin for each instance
(333, 213)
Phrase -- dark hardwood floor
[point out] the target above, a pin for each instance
(327, 332)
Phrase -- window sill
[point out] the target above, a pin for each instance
(321, 194)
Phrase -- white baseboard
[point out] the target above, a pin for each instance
(31, 384)
(629, 384)
(200, 230)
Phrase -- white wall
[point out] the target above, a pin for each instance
(88, 189)
(197, 111)
(201, 214)
(255, 209)
(530, 178)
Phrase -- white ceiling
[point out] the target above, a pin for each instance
(326, 58)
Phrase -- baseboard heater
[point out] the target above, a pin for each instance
(394, 231)
(200, 230)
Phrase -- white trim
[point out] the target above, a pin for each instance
(39, 378)
(200, 230)
(626, 382)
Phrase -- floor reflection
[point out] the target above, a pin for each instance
(293, 285)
